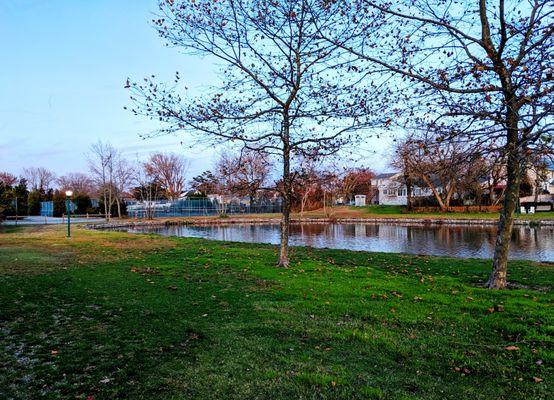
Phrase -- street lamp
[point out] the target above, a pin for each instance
(68, 194)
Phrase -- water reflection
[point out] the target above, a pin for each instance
(453, 240)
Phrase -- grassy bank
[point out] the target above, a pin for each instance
(109, 315)
(399, 212)
(351, 212)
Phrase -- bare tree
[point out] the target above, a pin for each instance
(39, 178)
(246, 173)
(330, 185)
(496, 168)
(78, 182)
(306, 184)
(102, 164)
(279, 94)
(484, 69)
(170, 170)
(441, 166)
(538, 168)
(148, 188)
(356, 181)
(123, 177)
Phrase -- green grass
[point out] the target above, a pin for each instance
(114, 315)
(383, 210)
(398, 211)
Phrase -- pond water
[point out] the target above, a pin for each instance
(529, 243)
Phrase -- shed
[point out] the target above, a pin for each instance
(360, 200)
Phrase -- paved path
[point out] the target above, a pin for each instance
(37, 220)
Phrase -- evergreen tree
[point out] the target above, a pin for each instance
(58, 199)
(33, 202)
(82, 203)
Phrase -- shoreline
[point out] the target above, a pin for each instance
(203, 221)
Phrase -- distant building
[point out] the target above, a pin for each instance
(360, 200)
(391, 191)
(544, 181)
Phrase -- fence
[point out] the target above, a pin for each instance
(47, 208)
(459, 209)
(196, 207)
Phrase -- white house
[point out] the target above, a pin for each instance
(391, 191)
(544, 182)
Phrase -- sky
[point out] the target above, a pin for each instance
(62, 75)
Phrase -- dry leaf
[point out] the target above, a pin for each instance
(511, 348)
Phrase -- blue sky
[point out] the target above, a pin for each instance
(64, 65)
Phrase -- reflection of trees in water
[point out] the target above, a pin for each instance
(463, 241)
(534, 237)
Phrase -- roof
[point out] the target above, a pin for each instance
(386, 175)
(541, 198)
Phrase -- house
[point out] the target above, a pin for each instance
(542, 198)
(543, 180)
(391, 191)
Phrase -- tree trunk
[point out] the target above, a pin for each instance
(436, 193)
(498, 277)
(537, 189)
(287, 188)
(491, 194)
(303, 204)
(449, 194)
(408, 193)
(118, 207)
(106, 206)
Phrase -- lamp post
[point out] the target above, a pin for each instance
(68, 194)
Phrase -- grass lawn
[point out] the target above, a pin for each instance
(397, 211)
(389, 211)
(109, 315)
(373, 211)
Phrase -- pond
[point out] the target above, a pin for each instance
(528, 243)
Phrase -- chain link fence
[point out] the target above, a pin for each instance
(196, 207)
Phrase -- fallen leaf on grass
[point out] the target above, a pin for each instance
(511, 348)
(537, 379)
